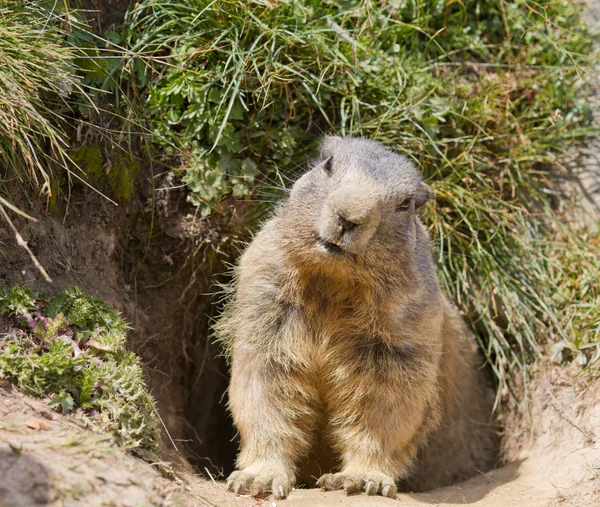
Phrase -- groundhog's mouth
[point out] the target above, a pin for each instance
(331, 248)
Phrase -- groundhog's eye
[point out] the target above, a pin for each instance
(404, 205)
(328, 165)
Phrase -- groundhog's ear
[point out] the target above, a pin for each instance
(424, 194)
(328, 145)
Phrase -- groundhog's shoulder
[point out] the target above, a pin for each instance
(263, 257)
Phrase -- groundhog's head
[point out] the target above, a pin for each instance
(357, 199)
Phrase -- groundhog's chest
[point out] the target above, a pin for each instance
(350, 337)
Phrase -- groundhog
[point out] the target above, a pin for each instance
(346, 358)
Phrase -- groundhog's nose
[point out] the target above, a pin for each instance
(347, 228)
(338, 230)
(349, 217)
(347, 225)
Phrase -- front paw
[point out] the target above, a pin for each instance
(372, 483)
(260, 482)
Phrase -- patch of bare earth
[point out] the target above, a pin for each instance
(50, 459)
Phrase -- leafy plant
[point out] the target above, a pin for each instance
(72, 349)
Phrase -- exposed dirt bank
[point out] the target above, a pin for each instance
(139, 257)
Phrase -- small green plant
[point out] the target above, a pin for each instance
(71, 349)
(572, 262)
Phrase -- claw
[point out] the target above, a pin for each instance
(261, 482)
(388, 491)
(238, 488)
(279, 492)
(372, 488)
(372, 483)
(353, 485)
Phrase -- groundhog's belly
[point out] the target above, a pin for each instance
(330, 367)
(357, 373)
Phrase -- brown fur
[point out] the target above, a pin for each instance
(344, 351)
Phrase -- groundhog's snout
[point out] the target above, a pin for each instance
(348, 220)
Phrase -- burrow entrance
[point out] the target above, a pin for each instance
(155, 261)
(141, 257)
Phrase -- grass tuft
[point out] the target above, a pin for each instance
(37, 76)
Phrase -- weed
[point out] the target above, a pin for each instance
(71, 348)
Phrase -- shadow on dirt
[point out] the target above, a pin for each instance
(472, 490)
(24, 481)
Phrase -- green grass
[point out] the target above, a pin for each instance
(486, 97)
(57, 79)
(37, 76)
(572, 265)
(71, 350)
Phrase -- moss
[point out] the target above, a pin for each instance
(55, 186)
(71, 349)
(89, 159)
(122, 175)
(115, 177)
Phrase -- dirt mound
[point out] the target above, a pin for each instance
(49, 459)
